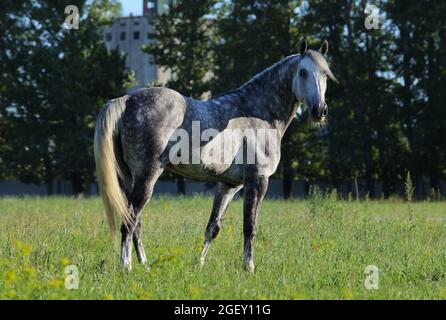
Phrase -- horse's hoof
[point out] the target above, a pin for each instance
(249, 266)
(201, 264)
(126, 267)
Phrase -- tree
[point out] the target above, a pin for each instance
(84, 67)
(183, 46)
(419, 64)
(58, 81)
(250, 36)
(21, 157)
(363, 131)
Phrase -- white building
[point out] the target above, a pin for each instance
(129, 34)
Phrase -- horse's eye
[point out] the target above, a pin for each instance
(303, 73)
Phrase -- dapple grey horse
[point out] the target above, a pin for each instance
(137, 137)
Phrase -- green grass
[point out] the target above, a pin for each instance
(314, 249)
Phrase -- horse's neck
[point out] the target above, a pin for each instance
(269, 94)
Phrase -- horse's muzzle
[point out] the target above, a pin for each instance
(319, 112)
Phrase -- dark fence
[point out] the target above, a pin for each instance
(300, 189)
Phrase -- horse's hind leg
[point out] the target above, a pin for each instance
(137, 242)
(223, 196)
(137, 233)
(139, 196)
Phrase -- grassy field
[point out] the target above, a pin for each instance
(313, 249)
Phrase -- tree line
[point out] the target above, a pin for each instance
(386, 117)
(53, 83)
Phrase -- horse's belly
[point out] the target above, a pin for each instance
(223, 157)
(231, 174)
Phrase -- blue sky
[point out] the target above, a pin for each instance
(131, 6)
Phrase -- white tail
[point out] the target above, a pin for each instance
(107, 167)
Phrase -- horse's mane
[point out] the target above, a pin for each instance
(226, 93)
(316, 57)
(258, 76)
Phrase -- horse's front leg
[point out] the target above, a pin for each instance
(255, 190)
(222, 198)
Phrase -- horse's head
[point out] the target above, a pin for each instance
(310, 81)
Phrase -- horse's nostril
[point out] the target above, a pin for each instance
(325, 112)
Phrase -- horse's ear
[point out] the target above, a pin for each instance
(324, 48)
(303, 47)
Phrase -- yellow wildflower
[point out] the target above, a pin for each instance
(65, 262)
(56, 283)
(348, 294)
(11, 294)
(11, 276)
(193, 292)
(29, 271)
(24, 249)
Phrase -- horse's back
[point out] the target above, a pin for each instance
(156, 100)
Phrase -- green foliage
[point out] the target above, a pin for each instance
(182, 45)
(418, 59)
(298, 256)
(408, 187)
(322, 202)
(251, 35)
(54, 83)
